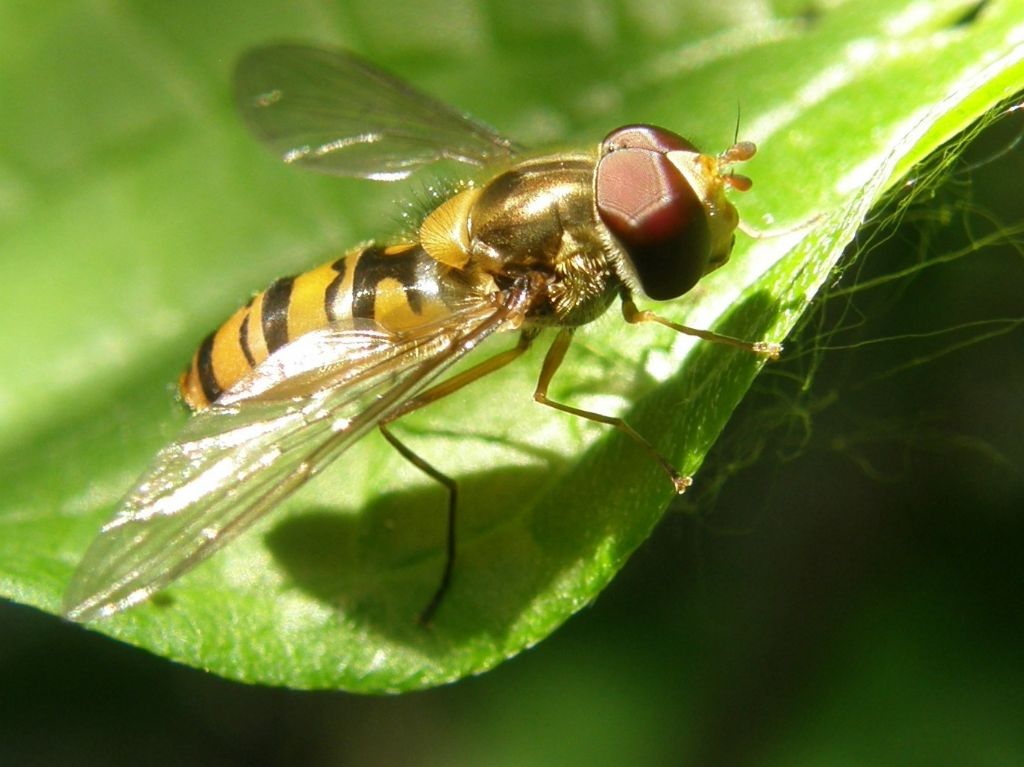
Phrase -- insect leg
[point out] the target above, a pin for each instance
(433, 394)
(453, 493)
(466, 377)
(552, 361)
(634, 316)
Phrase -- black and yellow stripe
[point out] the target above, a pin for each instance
(396, 286)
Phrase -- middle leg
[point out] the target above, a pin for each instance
(553, 360)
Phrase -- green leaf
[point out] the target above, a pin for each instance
(136, 214)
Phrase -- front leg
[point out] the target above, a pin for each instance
(634, 316)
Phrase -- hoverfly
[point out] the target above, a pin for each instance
(313, 363)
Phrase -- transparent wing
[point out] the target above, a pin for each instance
(263, 439)
(332, 112)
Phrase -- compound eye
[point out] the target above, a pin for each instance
(649, 137)
(656, 217)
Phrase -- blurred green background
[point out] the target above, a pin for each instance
(847, 593)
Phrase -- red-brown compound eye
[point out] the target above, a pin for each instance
(645, 137)
(652, 211)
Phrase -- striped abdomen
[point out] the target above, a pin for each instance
(398, 287)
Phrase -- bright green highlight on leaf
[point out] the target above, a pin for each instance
(136, 214)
